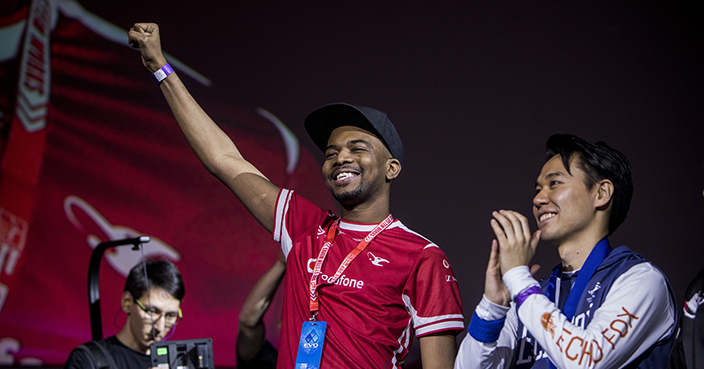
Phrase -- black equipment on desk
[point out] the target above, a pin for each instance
(183, 354)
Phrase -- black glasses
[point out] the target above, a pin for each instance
(155, 314)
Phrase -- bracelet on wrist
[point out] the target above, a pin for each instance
(162, 73)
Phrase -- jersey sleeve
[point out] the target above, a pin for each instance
(482, 349)
(432, 295)
(294, 216)
(637, 313)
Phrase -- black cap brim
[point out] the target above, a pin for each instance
(320, 123)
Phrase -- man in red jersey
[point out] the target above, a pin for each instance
(370, 303)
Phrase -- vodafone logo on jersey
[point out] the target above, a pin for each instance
(344, 280)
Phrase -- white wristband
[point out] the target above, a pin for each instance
(162, 73)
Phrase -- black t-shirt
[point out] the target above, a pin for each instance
(688, 348)
(124, 357)
(265, 359)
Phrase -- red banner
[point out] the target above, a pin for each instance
(101, 159)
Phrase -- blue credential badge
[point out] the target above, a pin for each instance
(310, 347)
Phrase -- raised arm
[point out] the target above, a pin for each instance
(491, 335)
(251, 330)
(637, 313)
(211, 145)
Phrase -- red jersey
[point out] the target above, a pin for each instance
(400, 285)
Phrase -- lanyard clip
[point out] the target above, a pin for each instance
(312, 316)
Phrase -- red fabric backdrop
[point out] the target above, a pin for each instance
(115, 165)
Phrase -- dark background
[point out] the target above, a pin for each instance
(474, 89)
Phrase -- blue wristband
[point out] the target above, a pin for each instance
(162, 73)
(486, 331)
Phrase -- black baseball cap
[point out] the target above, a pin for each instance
(322, 121)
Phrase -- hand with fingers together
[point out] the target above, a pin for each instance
(516, 245)
(494, 288)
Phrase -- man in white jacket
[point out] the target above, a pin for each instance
(602, 307)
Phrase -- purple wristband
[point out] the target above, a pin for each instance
(521, 297)
(162, 73)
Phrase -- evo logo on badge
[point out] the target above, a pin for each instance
(310, 347)
(311, 340)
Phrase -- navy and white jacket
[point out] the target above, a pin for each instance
(624, 318)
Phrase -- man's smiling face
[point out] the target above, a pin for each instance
(355, 165)
(563, 205)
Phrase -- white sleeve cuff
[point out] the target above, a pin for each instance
(489, 311)
(518, 279)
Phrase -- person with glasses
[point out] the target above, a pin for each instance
(152, 301)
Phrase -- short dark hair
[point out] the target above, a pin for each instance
(161, 274)
(598, 161)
